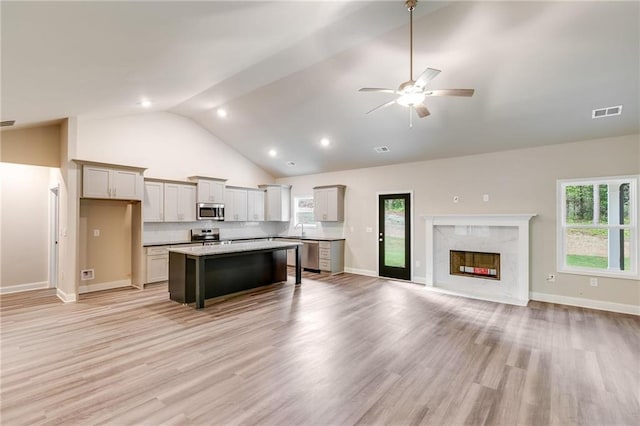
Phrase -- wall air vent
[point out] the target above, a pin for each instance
(607, 112)
(381, 149)
(7, 123)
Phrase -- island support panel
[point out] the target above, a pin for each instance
(223, 274)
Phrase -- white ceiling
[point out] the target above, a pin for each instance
(288, 72)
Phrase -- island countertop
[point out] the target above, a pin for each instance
(234, 248)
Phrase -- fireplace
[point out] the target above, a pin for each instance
(480, 256)
(474, 264)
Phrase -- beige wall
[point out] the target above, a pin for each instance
(24, 226)
(39, 146)
(109, 254)
(522, 181)
(168, 145)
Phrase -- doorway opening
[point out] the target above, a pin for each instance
(54, 219)
(394, 236)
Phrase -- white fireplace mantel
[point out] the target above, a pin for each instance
(500, 232)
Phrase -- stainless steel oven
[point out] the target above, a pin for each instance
(209, 211)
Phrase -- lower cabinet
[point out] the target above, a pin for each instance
(332, 256)
(157, 265)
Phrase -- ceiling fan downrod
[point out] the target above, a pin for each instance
(410, 4)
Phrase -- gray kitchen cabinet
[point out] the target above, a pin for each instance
(235, 204)
(277, 202)
(255, 205)
(179, 202)
(100, 181)
(328, 203)
(153, 203)
(332, 256)
(210, 190)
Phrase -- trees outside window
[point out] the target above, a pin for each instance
(597, 226)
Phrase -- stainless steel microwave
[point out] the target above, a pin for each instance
(209, 211)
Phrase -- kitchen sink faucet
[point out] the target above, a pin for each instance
(302, 226)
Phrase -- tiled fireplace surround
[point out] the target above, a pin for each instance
(507, 234)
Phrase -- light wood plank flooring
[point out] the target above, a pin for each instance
(338, 350)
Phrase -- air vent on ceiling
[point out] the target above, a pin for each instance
(606, 112)
(290, 163)
(7, 123)
(381, 149)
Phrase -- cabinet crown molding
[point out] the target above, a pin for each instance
(109, 165)
(330, 186)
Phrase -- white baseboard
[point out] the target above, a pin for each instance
(365, 272)
(17, 288)
(419, 280)
(65, 297)
(104, 286)
(586, 303)
(505, 300)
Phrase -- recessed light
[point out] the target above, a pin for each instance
(325, 142)
(273, 152)
(222, 113)
(145, 103)
(381, 149)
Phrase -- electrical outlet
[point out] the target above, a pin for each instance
(551, 278)
(485, 197)
(593, 282)
(369, 229)
(86, 274)
(96, 232)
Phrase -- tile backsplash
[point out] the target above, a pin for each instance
(161, 232)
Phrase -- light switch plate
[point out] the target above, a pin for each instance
(456, 198)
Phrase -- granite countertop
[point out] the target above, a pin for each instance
(289, 237)
(310, 237)
(234, 248)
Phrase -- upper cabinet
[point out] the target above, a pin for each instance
(277, 202)
(153, 203)
(210, 190)
(328, 203)
(100, 181)
(179, 202)
(255, 205)
(235, 205)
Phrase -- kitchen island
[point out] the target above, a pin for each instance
(203, 272)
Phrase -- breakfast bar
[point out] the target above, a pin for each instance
(204, 272)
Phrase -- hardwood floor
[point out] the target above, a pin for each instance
(337, 350)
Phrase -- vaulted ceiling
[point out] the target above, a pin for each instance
(288, 73)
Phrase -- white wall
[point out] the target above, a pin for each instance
(522, 181)
(168, 145)
(24, 224)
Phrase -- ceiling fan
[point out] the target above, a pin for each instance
(412, 93)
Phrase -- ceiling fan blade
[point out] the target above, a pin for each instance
(428, 75)
(421, 110)
(450, 92)
(376, 89)
(382, 106)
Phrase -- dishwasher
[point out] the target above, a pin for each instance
(311, 255)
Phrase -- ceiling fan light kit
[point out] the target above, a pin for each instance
(412, 93)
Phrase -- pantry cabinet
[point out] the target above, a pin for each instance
(328, 203)
(179, 202)
(112, 182)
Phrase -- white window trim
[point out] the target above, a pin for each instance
(561, 242)
(295, 212)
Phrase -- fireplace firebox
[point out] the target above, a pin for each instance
(474, 264)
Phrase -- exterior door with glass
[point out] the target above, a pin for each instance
(394, 236)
